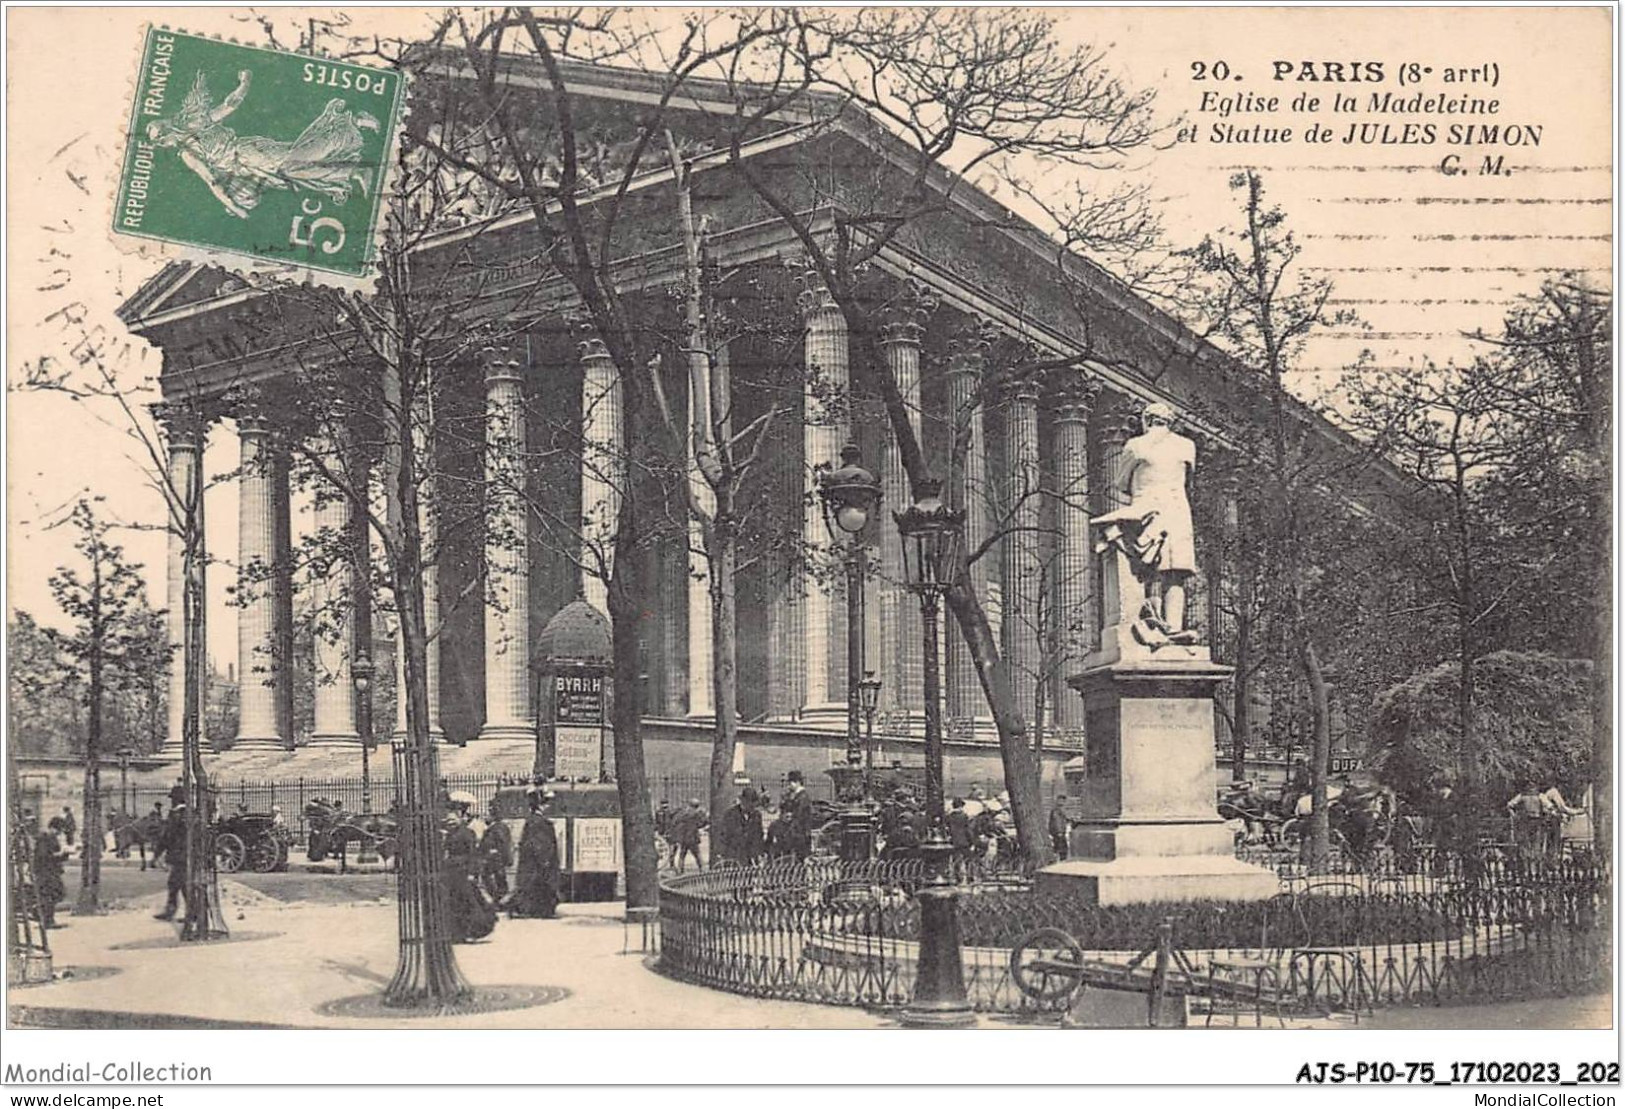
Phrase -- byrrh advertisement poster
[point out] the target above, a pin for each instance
(1069, 528)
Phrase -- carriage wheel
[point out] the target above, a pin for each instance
(229, 853)
(1047, 965)
(262, 856)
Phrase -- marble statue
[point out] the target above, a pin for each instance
(1154, 530)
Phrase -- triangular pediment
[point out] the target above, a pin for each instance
(178, 285)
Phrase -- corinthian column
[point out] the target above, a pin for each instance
(902, 687)
(1073, 593)
(826, 431)
(183, 433)
(968, 491)
(701, 672)
(1020, 566)
(602, 468)
(331, 598)
(507, 562)
(257, 664)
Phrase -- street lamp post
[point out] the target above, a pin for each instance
(933, 537)
(361, 673)
(124, 754)
(850, 497)
(869, 696)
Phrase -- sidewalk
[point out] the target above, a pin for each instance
(309, 955)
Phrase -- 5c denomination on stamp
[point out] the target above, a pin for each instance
(258, 153)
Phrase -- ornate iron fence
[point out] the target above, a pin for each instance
(848, 934)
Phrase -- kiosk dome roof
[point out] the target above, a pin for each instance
(577, 634)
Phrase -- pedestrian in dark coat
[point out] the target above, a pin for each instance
(685, 830)
(496, 856)
(48, 856)
(795, 813)
(69, 825)
(472, 917)
(536, 883)
(173, 847)
(1060, 830)
(961, 835)
(739, 837)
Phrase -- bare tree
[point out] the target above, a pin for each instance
(106, 380)
(542, 160)
(1264, 310)
(102, 601)
(964, 89)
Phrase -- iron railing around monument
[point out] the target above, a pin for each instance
(847, 934)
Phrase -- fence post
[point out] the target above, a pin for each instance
(1159, 973)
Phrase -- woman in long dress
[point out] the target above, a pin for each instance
(536, 884)
(472, 917)
(324, 158)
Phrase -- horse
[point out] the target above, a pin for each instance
(134, 832)
(333, 828)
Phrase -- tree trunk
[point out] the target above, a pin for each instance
(723, 558)
(205, 919)
(631, 779)
(1602, 674)
(1020, 767)
(1320, 751)
(1241, 711)
(90, 830)
(426, 971)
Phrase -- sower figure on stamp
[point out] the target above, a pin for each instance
(1154, 530)
(324, 158)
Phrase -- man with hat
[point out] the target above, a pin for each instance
(536, 882)
(173, 846)
(739, 838)
(685, 828)
(796, 815)
(496, 855)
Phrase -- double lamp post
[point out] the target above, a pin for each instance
(850, 496)
(933, 556)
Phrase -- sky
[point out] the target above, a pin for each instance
(1421, 254)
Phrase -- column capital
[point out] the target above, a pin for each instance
(501, 362)
(969, 346)
(903, 317)
(1075, 396)
(1025, 386)
(593, 349)
(1119, 416)
(184, 427)
(815, 299)
(252, 423)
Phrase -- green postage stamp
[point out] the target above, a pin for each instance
(260, 153)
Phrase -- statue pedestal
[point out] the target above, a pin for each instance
(1151, 830)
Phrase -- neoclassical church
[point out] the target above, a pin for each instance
(1024, 370)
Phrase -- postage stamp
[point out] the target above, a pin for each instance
(258, 153)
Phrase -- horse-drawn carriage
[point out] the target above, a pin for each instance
(1364, 818)
(251, 841)
(333, 828)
